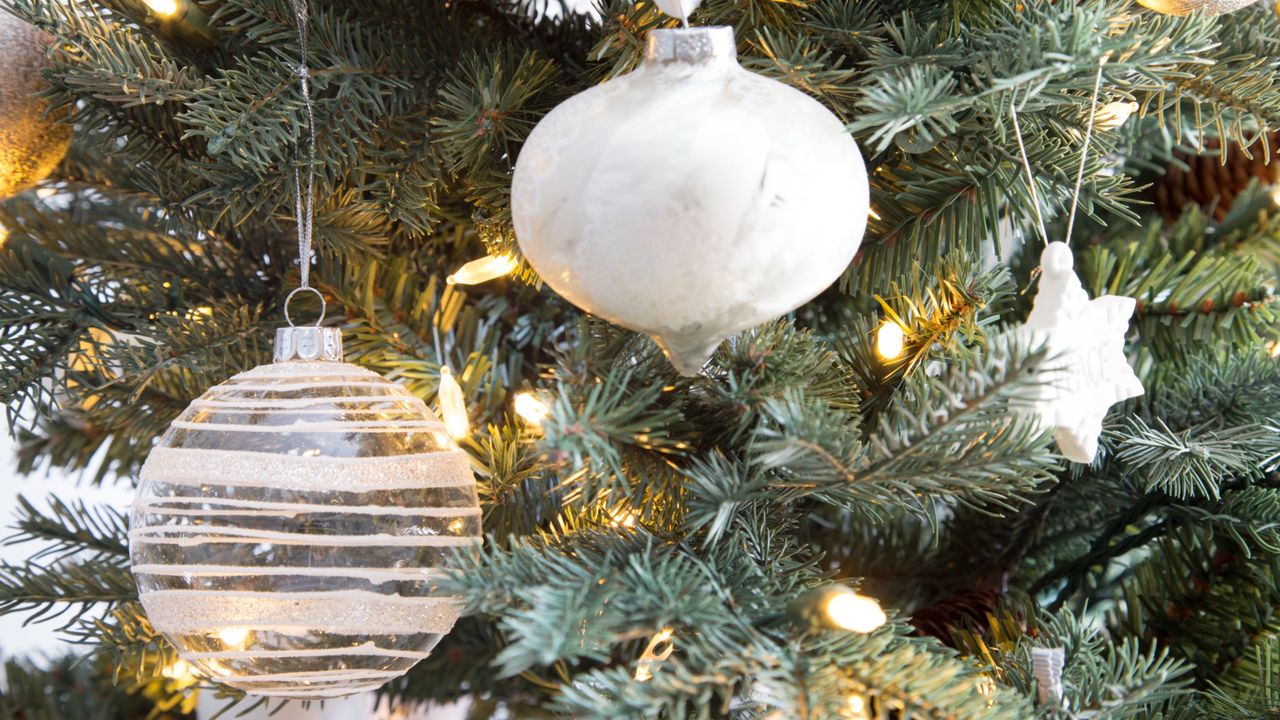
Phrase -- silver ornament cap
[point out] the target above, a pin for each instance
(693, 46)
(308, 344)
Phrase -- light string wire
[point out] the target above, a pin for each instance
(1084, 156)
(304, 196)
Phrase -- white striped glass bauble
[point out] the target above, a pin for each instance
(289, 527)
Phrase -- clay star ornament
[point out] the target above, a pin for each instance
(1087, 371)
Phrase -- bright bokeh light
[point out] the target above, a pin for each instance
(453, 406)
(485, 269)
(164, 8)
(890, 340)
(533, 410)
(855, 612)
(233, 637)
(179, 670)
(623, 518)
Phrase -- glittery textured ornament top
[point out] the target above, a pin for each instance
(31, 143)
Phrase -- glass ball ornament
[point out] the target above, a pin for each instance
(689, 199)
(1183, 7)
(32, 142)
(289, 527)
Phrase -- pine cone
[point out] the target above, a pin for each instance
(1211, 183)
(967, 608)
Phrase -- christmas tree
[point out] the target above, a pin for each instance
(872, 449)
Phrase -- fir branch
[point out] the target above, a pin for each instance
(70, 586)
(1202, 598)
(1190, 465)
(952, 436)
(71, 529)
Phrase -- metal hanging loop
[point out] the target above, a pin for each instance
(288, 298)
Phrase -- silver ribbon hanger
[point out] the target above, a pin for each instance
(304, 194)
(1084, 157)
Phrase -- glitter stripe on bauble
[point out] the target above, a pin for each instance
(289, 527)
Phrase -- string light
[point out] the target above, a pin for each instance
(195, 313)
(179, 670)
(871, 212)
(4, 235)
(890, 340)
(1273, 348)
(652, 656)
(1114, 114)
(622, 518)
(857, 708)
(233, 637)
(533, 410)
(185, 19)
(163, 8)
(485, 269)
(851, 611)
(453, 405)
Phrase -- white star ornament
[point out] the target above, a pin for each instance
(1087, 371)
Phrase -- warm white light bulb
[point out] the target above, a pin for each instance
(485, 269)
(233, 637)
(164, 8)
(1114, 114)
(1273, 348)
(855, 612)
(890, 340)
(623, 518)
(179, 670)
(857, 707)
(533, 410)
(4, 234)
(453, 405)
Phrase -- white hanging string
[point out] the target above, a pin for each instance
(304, 197)
(1084, 157)
(1084, 153)
(1026, 164)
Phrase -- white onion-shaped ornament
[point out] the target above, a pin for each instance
(690, 199)
(32, 143)
(1183, 7)
(288, 527)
